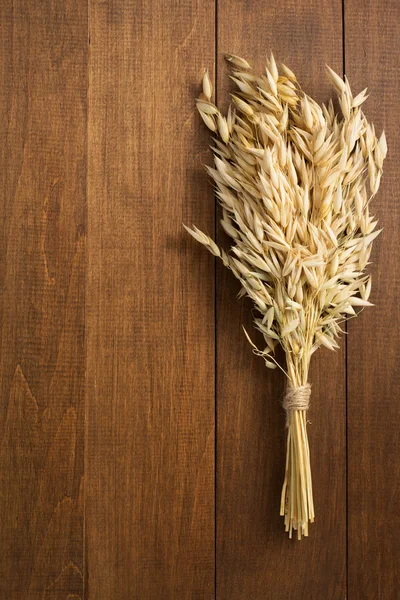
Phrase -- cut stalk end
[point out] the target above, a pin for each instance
(297, 506)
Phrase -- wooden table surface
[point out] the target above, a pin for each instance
(142, 443)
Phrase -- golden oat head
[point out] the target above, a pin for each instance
(294, 180)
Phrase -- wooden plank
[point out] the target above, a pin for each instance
(150, 305)
(374, 338)
(255, 558)
(43, 79)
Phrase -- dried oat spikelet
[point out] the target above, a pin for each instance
(295, 181)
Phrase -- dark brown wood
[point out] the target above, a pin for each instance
(255, 558)
(43, 79)
(150, 306)
(113, 287)
(372, 59)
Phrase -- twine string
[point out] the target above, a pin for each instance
(296, 398)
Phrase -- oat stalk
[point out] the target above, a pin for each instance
(294, 180)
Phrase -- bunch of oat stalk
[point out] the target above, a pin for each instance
(295, 180)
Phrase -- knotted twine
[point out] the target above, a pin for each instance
(296, 398)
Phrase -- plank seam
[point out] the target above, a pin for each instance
(215, 315)
(85, 411)
(346, 364)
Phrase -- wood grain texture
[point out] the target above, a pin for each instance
(374, 338)
(43, 77)
(101, 160)
(255, 558)
(150, 306)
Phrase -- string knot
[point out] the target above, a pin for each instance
(296, 399)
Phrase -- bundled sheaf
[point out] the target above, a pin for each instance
(295, 180)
